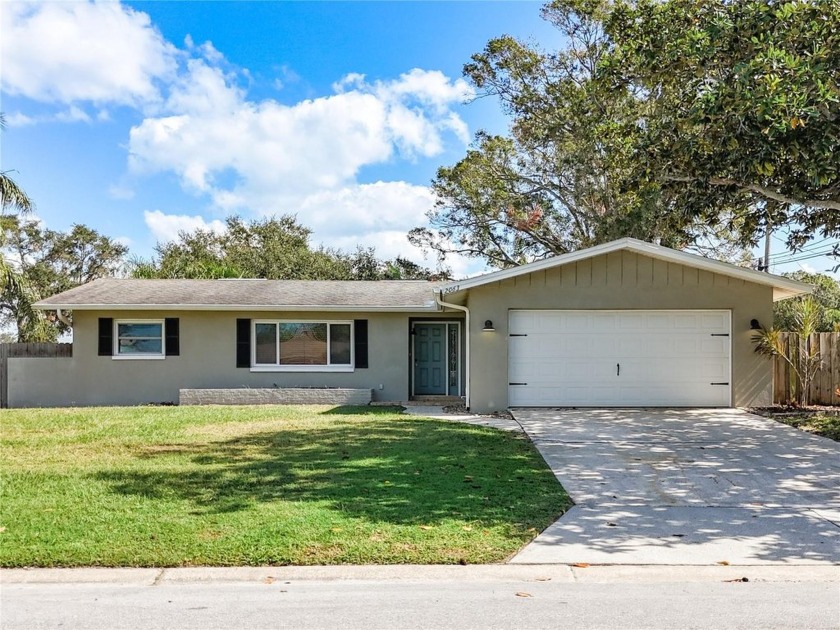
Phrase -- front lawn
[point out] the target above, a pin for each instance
(180, 486)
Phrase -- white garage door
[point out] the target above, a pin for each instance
(619, 358)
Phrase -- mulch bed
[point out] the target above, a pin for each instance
(461, 410)
(794, 410)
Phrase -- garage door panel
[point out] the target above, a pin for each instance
(660, 322)
(665, 358)
(604, 322)
(717, 346)
(715, 320)
(632, 322)
(685, 322)
(577, 323)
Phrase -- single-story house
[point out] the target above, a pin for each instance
(626, 323)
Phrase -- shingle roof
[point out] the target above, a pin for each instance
(124, 294)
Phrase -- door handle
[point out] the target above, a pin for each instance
(618, 369)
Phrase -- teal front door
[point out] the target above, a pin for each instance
(429, 359)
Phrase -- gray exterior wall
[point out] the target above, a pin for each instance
(207, 360)
(620, 280)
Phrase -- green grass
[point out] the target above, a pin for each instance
(826, 425)
(182, 486)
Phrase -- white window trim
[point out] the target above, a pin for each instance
(142, 356)
(269, 367)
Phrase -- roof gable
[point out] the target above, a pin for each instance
(783, 288)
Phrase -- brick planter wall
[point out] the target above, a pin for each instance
(276, 396)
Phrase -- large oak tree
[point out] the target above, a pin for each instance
(685, 122)
(275, 248)
(48, 262)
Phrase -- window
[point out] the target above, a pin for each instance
(139, 339)
(302, 346)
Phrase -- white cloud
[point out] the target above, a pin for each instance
(19, 119)
(253, 157)
(270, 158)
(72, 114)
(392, 243)
(286, 76)
(364, 208)
(388, 244)
(121, 191)
(66, 52)
(165, 227)
(211, 132)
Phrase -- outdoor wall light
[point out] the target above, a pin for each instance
(754, 325)
(488, 326)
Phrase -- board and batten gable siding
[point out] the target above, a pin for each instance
(616, 281)
(207, 359)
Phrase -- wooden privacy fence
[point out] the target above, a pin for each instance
(825, 383)
(26, 350)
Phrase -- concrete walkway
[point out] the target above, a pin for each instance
(686, 487)
(506, 424)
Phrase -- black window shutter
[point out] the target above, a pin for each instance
(360, 333)
(243, 343)
(106, 336)
(173, 338)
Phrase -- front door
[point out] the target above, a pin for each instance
(429, 359)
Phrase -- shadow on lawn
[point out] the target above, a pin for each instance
(404, 472)
(366, 411)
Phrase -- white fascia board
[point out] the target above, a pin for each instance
(783, 287)
(360, 308)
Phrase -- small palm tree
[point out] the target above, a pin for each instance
(14, 287)
(802, 356)
(12, 195)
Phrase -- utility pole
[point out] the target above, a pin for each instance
(767, 232)
(769, 206)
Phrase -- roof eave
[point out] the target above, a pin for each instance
(409, 308)
(785, 293)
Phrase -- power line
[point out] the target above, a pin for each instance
(807, 249)
(800, 258)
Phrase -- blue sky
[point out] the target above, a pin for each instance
(143, 118)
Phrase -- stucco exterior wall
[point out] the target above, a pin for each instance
(207, 360)
(619, 280)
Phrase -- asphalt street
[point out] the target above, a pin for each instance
(369, 605)
(462, 600)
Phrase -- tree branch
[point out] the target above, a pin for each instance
(763, 191)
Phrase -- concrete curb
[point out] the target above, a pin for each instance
(423, 573)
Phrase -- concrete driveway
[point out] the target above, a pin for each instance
(688, 486)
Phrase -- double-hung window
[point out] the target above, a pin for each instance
(139, 339)
(302, 346)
